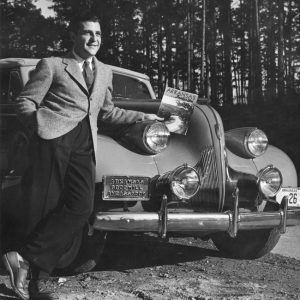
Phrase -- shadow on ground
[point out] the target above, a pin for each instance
(125, 251)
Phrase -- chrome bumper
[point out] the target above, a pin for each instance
(195, 222)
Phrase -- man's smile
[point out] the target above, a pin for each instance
(93, 46)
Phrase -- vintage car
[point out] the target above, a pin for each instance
(232, 187)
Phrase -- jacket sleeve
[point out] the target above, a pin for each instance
(115, 115)
(33, 94)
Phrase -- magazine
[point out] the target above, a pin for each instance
(177, 106)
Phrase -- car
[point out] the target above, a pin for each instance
(231, 187)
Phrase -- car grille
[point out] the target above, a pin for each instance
(208, 194)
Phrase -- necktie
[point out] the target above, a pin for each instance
(88, 74)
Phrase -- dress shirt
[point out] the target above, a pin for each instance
(81, 61)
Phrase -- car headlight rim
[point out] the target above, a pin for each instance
(256, 142)
(266, 183)
(182, 185)
(156, 137)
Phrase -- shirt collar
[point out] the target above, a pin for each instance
(80, 60)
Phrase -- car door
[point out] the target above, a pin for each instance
(12, 135)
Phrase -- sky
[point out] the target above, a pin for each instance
(43, 5)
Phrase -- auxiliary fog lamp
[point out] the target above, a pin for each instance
(269, 181)
(183, 182)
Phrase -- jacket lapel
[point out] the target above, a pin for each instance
(73, 70)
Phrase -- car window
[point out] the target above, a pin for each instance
(15, 85)
(128, 87)
(4, 86)
(10, 86)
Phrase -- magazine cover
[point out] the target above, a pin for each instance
(180, 106)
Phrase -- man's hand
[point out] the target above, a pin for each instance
(152, 117)
(174, 124)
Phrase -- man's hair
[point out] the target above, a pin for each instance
(83, 17)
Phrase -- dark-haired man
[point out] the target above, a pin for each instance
(61, 103)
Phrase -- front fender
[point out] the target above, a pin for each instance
(240, 164)
(280, 160)
(115, 159)
(273, 156)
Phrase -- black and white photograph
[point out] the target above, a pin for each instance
(150, 149)
(180, 104)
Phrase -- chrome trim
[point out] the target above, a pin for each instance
(189, 222)
(235, 215)
(284, 210)
(163, 217)
(208, 193)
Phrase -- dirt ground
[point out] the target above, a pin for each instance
(142, 267)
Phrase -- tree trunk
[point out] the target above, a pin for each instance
(211, 50)
(203, 54)
(290, 88)
(255, 78)
(226, 22)
(169, 59)
(280, 49)
(159, 58)
(189, 45)
(243, 55)
(271, 57)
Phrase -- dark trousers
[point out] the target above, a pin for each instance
(59, 192)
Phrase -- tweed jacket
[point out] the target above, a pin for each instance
(56, 98)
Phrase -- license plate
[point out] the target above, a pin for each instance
(292, 194)
(126, 188)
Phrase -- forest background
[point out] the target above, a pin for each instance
(244, 55)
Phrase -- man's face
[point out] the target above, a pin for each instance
(87, 40)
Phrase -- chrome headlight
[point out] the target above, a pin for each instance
(156, 137)
(247, 142)
(183, 182)
(256, 142)
(269, 181)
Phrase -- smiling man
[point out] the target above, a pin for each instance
(60, 106)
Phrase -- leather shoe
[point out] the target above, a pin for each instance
(18, 270)
(39, 290)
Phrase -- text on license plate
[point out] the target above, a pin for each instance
(126, 188)
(292, 194)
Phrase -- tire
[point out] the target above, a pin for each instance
(90, 253)
(248, 244)
(84, 253)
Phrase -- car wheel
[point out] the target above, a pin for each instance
(84, 253)
(248, 244)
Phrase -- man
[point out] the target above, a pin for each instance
(60, 104)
